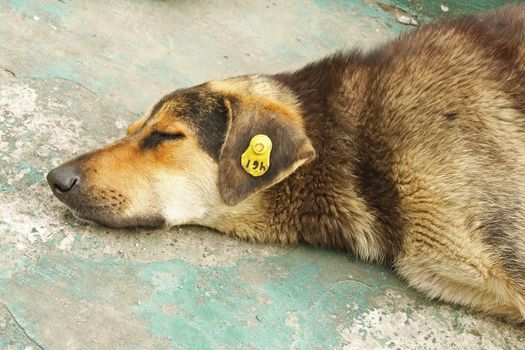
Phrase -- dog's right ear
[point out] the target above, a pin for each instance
(290, 146)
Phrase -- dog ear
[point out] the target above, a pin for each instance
(290, 147)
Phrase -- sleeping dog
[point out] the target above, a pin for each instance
(411, 155)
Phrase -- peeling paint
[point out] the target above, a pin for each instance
(42, 8)
(429, 9)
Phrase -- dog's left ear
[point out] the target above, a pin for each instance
(290, 146)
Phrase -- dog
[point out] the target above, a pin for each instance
(411, 155)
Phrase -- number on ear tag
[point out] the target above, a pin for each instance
(256, 159)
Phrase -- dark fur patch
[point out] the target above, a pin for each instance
(500, 226)
(318, 88)
(202, 111)
(499, 36)
(207, 113)
(375, 185)
(156, 138)
(450, 115)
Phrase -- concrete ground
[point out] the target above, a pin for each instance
(72, 75)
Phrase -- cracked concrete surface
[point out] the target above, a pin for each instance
(72, 76)
(13, 332)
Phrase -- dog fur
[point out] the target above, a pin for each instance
(411, 155)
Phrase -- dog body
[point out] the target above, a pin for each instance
(412, 155)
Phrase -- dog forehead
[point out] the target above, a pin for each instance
(186, 105)
(200, 110)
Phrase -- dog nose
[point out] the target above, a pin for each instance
(63, 179)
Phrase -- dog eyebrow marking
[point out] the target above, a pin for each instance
(157, 137)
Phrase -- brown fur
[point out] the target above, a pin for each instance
(411, 155)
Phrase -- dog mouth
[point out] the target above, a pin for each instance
(100, 215)
(107, 208)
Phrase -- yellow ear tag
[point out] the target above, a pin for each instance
(256, 159)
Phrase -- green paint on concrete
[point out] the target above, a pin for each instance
(13, 264)
(299, 300)
(65, 69)
(235, 307)
(300, 294)
(41, 8)
(31, 174)
(12, 336)
(5, 187)
(427, 10)
(365, 8)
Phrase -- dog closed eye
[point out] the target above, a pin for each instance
(158, 137)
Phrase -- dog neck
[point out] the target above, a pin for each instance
(319, 203)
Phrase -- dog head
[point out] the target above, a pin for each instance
(181, 163)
